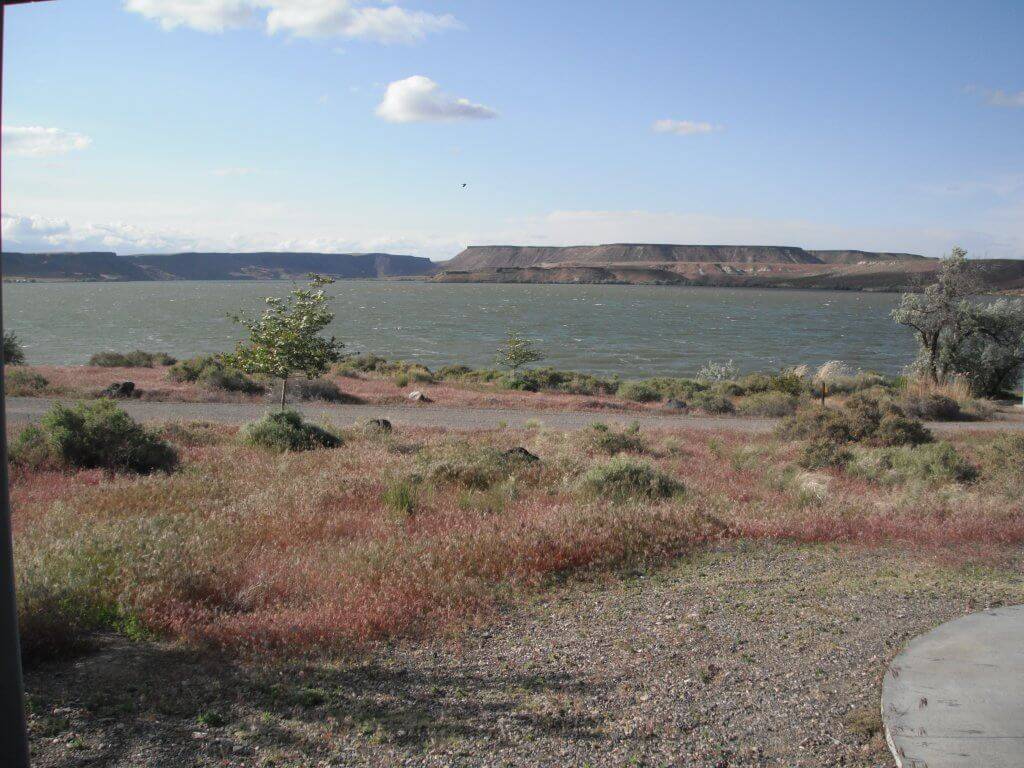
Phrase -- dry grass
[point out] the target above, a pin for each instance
(956, 388)
(253, 551)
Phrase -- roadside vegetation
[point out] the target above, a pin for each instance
(289, 536)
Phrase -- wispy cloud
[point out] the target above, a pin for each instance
(233, 171)
(998, 97)
(381, 22)
(1005, 99)
(684, 127)
(36, 141)
(419, 99)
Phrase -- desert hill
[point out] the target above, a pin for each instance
(210, 266)
(754, 266)
(498, 256)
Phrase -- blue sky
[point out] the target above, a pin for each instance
(164, 125)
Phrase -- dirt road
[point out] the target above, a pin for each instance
(22, 410)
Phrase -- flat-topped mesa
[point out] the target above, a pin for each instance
(211, 266)
(481, 257)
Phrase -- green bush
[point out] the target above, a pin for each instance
(712, 403)
(192, 369)
(931, 463)
(453, 372)
(821, 454)
(896, 430)
(230, 380)
(676, 388)
(400, 496)
(639, 392)
(622, 478)
(753, 383)
(933, 407)
(788, 382)
(1004, 463)
(318, 389)
(605, 440)
(473, 467)
(13, 354)
(769, 404)
(554, 380)
(864, 415)
(286, 431)
(94, 435)
(22, 383)
(817, 424)
(210, 371)
(861, 419)
(136, 359)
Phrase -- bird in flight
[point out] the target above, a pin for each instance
(463, 186)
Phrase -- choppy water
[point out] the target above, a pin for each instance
(628, 330)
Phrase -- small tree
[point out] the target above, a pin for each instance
(992, 354)
(517, 351)
(285, 339)
(13, 354)
(939, 315)
(984, 343)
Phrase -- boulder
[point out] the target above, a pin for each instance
(419, 397)
(518, 454)
(119, 389)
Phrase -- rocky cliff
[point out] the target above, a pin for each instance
(479, 257)
(210, 266)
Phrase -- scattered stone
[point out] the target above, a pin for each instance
(519, 454)
(419, 397)
(378, 425)
(119, 389)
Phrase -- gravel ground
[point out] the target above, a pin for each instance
(21, 410)
(747, 656)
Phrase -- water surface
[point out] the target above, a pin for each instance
(607, 329)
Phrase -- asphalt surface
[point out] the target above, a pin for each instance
(955, 697)
(23, 410)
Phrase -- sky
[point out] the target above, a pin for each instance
(424, 126)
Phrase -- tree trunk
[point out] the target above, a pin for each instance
(284, 391)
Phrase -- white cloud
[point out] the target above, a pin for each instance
(36, 141)
(1004, 99)
(418, 99)
(684, 127)
(998, 98)
(342, 18)
(33, 233)
(234, 171)
(385, 23)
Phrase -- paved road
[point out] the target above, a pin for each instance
(21, 410)
(955, 697)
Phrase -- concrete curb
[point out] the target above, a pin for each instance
(955, 696)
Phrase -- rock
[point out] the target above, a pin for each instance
(519, 454)
(378, 425)
(119, 389)
(676, 405)
(419, 397)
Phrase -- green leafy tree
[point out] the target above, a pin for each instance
(285, 339)
(940, 314)
(992, 353)
(983, 343)
(517, 351)
(12, 351)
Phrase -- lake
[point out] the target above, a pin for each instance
(607, 329)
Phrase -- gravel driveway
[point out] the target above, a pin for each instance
(753, 655)
(21, 410)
